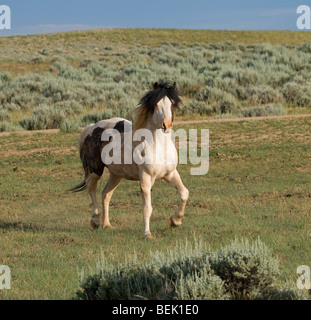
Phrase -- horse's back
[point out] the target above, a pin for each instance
(113, 123)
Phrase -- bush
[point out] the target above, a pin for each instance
(292, 93)
(195, 107)
(284, 292)
(68, 126)
(4, 116)
(306, 47)
(238, 271)
(205, 286)
(44, 117)
(7, 126)
(263, 95)
(265, 110)
(226, 105)
(245, 268)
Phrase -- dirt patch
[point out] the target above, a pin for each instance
(42, 151)
(185, 122)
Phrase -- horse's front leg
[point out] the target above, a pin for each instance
(145, 185)
(175, 181)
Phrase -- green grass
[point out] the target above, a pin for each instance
(258, 185)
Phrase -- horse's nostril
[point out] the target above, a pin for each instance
(163, 126)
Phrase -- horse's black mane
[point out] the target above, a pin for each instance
(160, 90)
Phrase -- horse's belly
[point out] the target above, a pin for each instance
(125, 171)
(159, 171)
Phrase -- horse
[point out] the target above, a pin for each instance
(154, 114)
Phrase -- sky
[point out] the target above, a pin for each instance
(45, 16)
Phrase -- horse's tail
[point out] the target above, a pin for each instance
(79, 187)
(82, 185)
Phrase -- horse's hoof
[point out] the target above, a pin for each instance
(94, 225)
(173, 224)
(108, 226)
(149, 237)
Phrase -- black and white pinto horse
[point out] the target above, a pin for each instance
(154, 115)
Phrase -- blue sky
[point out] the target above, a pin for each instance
(42, 16)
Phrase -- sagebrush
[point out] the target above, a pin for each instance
(192, 272)
(214, 79)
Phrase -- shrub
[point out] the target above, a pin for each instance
(210, 95)
(5, 76)
(123, 283)
(243, 77)
(196, 107)
(263, 95)
(237, 271)
(306, 47)
(7, 126)
(227, 104)
(205, 286)
(292, 93)
(285, 292)
(69, 107)
(4, 116)
(44, 117)
(245, 268)
(203, 94)
(68, 126)
(265, 110)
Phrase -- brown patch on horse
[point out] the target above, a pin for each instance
(91, 149)
(90, 153)
(119, 126)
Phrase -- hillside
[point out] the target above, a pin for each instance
(70, 79)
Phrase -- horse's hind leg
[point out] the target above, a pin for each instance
(91, 184)
(174, 180)
(111, 185)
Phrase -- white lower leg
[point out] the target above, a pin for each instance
(105, 221)
(91, 184)
(106, 196)
(145, 185)
(174, 180)
(147, 214)
(176, 219)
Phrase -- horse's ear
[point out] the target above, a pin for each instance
(173, 86)
(155, 86)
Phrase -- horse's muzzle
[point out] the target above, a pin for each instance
(167, 125)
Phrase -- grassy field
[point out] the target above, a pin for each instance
(154, 37)
(258, 185)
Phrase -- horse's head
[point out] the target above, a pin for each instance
(159, 105)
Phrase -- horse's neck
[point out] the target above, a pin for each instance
(155, 135)
(151, 127)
